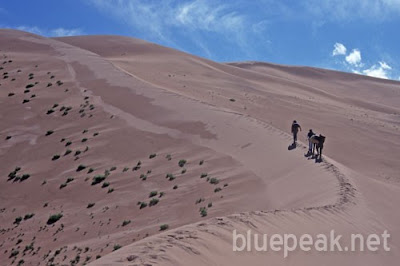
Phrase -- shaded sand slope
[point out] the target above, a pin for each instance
(351, 110)
(360, 116)
(123, 113)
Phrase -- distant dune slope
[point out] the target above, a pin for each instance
(107, 141)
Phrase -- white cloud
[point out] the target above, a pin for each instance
(380, 70)
(354, 58)
(58, 32)
(339, 49)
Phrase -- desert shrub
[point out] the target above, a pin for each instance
(152, 194)
(110, 190)
(63, 185)
(214, 181)
(68, 143)
(175, 187)
(90, 170)
(59, 83)
(25, 101)
(116, 247)
(232, 100)
(18, 220)
(49, 132)
(218, 189)
(162, 194)
(33, 95)
(86, 149)
(168, 157)
(77, 153)
(183, 171)
(54, 218)
(30, 85)
(55, 157)
(203, 211)
(226, 184)
(50, 111)
(95, 134)
(163, 227)
(170, 177)
(153, 201)
(113, 168)
(52, 77)
(142, 205)
(90, 205)
(143, 177)
(98, 179)
(203, 175)
(11, 94)
(24, 177)
(14, 253)
(151, 156)
(67, 152)
(182, 163)
(69, 180)
(126, 222)
(201, 162)
(27, 91)
(28, 216)
(49, 84)
(105, 184)
(125, 169)
(209, 205)
(81, 167)
(199, 200)
(84, 140)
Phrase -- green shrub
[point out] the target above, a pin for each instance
(153, 201)
(142, 205)
(126, 222)
(214, 181)
(81, 167)
(153, 194)
(54, 218)
(90, 170)
(18, 220)
(116, 247)
(182, 163)
(170, 177)
(98, 179)
(105, 184)
(164, 227)
(203, 212)
(28, 216)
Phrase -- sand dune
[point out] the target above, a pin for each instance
(174, 139)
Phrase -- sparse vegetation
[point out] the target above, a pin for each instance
(54, 218)
(203, 211)
(81, 167)
(153, 194)
(98, 179)
(126, 222)
(182, 163)
(153, 201)
(164, 227)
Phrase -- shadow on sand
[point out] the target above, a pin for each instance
(291, 146)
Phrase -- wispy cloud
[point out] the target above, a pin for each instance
(163, 21)
(345, 10)
(58, 32)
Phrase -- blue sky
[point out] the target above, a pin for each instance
(360, 36)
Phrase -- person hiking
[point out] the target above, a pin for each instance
(309, 135)
(295, 130)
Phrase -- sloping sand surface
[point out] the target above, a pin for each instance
(129, 112)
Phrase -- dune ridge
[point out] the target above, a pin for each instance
(133, 101)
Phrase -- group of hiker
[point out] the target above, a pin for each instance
(314, 141)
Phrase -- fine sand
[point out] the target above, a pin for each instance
(210, 140)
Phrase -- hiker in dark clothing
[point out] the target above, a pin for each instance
(295, 130)
(309, 135)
